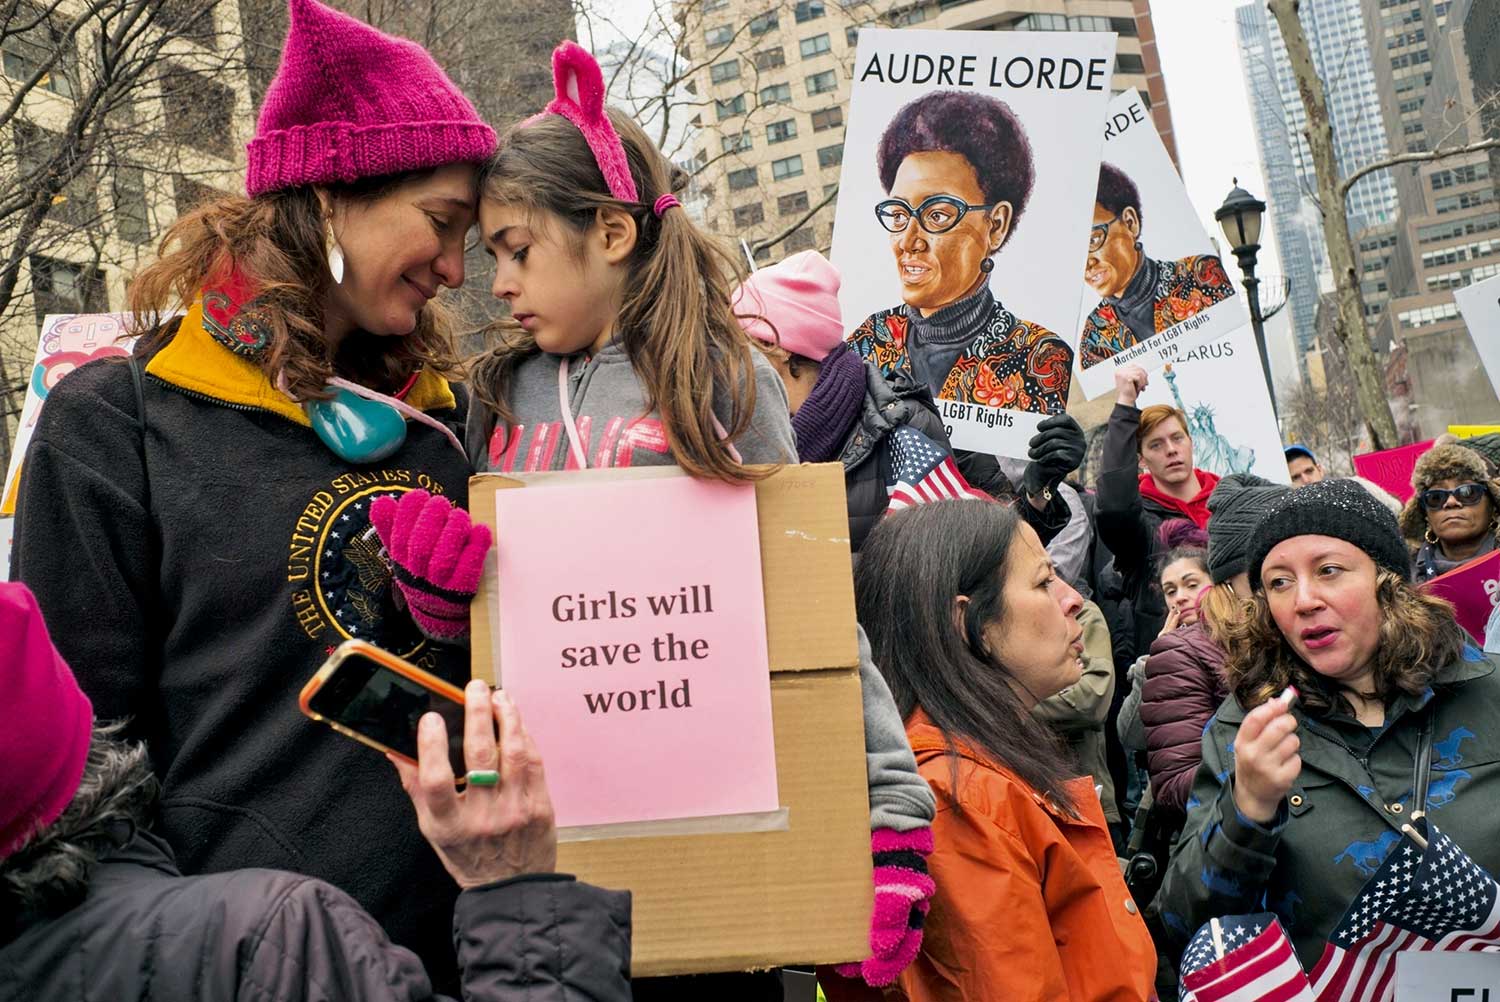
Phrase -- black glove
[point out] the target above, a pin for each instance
(1057, 449)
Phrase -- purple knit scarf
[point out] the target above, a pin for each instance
(823, 421)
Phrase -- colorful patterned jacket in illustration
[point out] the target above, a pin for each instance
(1183, 288)
(1010, 363)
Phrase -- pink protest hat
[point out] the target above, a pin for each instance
(49, 723)
(800, 297)
(350, 102)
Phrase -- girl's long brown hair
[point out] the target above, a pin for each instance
(1418, 638)
(676, 323)
(276, 241)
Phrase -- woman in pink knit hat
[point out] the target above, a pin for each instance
(222, 500)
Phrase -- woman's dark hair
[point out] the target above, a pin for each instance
(1181, 539)
(50, 872)
(911, 568)
(1418, 639)
(981, 129)
(1116, 191)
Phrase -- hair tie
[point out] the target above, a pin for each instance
(667, 201)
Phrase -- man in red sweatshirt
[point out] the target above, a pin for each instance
(1132, 504)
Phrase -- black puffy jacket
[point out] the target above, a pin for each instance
(146, 932)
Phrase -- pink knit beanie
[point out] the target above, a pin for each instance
(350, 102)
(800, 297)
(48, 723)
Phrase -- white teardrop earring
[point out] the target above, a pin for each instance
(335, 253)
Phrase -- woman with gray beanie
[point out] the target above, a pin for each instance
(1184, 672)
(1356, 704)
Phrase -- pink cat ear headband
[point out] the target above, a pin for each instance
(580, 99)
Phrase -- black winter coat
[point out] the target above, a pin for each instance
(867, 451)
(146, 932)
(225, 552)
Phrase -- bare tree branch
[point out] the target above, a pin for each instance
(1422, 157)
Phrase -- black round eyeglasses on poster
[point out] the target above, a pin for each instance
(936, 214)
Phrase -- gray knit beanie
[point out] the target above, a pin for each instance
(1235, 507)
(1338, 508)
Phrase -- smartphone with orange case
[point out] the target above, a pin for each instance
(376, 698)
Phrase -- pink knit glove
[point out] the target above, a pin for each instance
(437, 558)
(903, 894)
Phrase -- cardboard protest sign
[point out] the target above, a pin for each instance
(732, 899)
(1219, 386)
(67, 341)
(1474, 590)
(1391, 468)
(970, 164)
(1480, 305)
(1154, 282)
(640, 655)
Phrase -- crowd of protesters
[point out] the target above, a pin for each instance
(1078, 738)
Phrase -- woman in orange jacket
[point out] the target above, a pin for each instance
(972, 628)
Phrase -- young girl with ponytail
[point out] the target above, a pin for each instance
(623, 349)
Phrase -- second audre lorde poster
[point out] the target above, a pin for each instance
(970, 165)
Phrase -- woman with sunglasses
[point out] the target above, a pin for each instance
(1453, 512)
(198, 524)
(1140, 296)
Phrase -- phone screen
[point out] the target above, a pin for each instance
(370, 699)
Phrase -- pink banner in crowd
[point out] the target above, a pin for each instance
(633, 637)
(1472, 589)
(1391, 468)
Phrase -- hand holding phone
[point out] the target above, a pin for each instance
(483, 833)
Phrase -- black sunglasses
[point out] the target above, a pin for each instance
(1468, 495)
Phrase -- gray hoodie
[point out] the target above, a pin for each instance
(609, 409)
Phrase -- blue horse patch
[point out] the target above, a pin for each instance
(1445, 752)
(1367, 856)
(1441, 790)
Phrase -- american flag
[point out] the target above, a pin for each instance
(1243, 958)
(922, 471)
(1431, 897)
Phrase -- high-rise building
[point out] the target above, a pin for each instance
(773, 91)
(1344, 58)
(1287, 203)
(1480, 21)
(174, 134)
(1449, 231)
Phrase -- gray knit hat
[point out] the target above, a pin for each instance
(1235, 507)
(1338, 508)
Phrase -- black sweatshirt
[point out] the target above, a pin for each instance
(195, 579)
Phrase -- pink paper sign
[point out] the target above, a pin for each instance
(632, 636)
(1391, 468)
(1473, 588)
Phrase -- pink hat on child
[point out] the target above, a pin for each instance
(350, 102)
(49, 723)
(800, 298)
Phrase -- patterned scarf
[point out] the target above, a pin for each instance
(823, 421)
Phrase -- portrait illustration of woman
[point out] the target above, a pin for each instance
(958, 171)
(1139, 296)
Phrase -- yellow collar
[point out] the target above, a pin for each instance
(194, 361)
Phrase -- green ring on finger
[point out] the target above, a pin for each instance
(483, 777)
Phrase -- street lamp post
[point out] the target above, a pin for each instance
(1240, 218)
